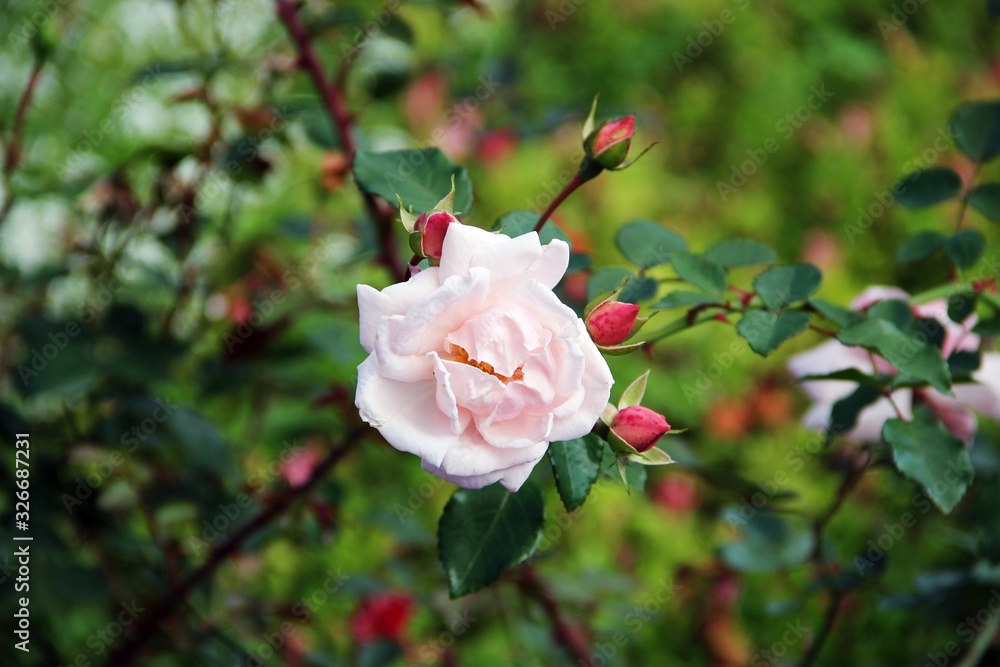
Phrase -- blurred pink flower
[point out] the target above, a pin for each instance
(676, 493)
(957, 412)
(298, 468)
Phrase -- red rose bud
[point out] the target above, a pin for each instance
(612, 322)
(608, 145)
(640, 428)
(432, 228)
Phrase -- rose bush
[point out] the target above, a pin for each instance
(475, 365)
(957, 413)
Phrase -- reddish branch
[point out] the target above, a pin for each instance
(570, 188)
(570, 635)
(12, 152)
(333, 99)
(128, 652)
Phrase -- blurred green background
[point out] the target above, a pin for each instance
(178, 177)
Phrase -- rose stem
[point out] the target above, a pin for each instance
(574, 183)
(340, 116)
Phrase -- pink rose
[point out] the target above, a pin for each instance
(476, 365)
(957, 413)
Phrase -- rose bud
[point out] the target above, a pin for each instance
(612, 322)
(608, 145)
(432, 227)
(640, 428)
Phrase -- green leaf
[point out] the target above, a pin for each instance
(683, 299)
(965, 248)
(519, 223)
(740, 252)
(576, 465)
(699, 272)
(920, 246)
(610, 278)
(482, 532)
(646, 243)
(907, 353)
(843, 317)
(986, 519)
(781, 286)
(990, 327)
(928, 454)
(420, 178)
(766, 331)
(845, 412)
(893, 310)
(986, 199)
(769, 541)
(961, 306)
(976, 128)
(963, 364)
(319, 129)
(847, 375)
(927, 187)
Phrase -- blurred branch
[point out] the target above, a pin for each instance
(829, 618)
(837, 594)
(128, 651)
(571, 636)
(333, 98)
(12, 150)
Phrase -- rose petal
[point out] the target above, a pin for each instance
(446, 400)
(511, 478)
(522, 430)
(475, 464)
(984, 397)
(595, 385)
(461, 244)
(474, 390)
(405, 413)
(524, 258)
(396, 299)
(503, 338)
(877, 293)
(959, 421)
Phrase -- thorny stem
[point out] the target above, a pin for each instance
(129, 650)
(336, 107)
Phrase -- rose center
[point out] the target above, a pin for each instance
(459, 354)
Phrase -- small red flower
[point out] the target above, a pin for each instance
(382, 616)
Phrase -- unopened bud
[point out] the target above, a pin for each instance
(612, 322)
(640, 428)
